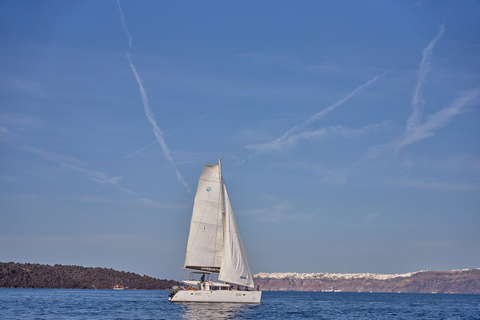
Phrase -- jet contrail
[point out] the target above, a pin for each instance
(140, 150)
(156, 130)
(151, 118)
(417, 101)
(73, 164)
(277, 143)
(438, 120)
(188, 124)
(416, 130)
(280, 143)
(127, 34)
(167, 135)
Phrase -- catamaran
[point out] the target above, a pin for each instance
(214, 248)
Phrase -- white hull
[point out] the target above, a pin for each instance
(230, 296)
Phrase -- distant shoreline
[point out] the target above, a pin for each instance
(22, 288)
(466, 281)
(41, 276)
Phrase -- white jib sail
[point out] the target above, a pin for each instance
(205, 241)
(234, 267)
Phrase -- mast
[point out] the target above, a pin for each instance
(222, 196)
(222, 206)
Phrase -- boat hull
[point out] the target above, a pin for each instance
(230, 296)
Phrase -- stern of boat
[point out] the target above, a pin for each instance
(172, 296)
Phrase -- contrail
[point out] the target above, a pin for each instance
(277, 144)
(327, 132)
(156, 130)
(73, 164)
(127, 34)
(151, 118)
(438, 120)
(417, 100)
(167, 135)
(152, 143)
(188, 124)
(282, 142)
(140, 150)
(416, 130)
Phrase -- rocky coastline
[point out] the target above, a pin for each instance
(466, 281)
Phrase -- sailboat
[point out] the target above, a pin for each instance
(214, 248)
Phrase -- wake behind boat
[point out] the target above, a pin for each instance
(215, 248)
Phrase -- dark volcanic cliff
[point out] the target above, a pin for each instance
(455, 281)
(28, 275)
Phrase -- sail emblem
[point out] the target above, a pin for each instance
(208, 189)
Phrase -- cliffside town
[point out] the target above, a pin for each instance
(455, 281)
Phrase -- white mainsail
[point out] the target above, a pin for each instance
(205, 240)
(234, 267)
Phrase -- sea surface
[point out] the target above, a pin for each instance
(129, 304)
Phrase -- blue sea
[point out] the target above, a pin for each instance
(128, 304)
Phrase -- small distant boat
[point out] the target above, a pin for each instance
(214, 247)
(117, 287)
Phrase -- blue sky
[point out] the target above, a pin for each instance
(349, 131)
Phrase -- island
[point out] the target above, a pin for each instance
(32, 275)
(466, 281)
